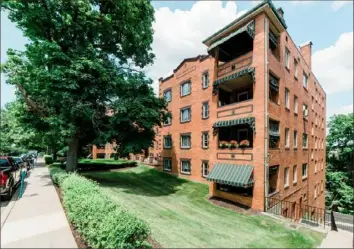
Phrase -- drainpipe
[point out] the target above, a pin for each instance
(266, 172)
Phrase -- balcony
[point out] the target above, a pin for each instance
(235, 65)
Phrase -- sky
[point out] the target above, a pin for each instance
(181, 26)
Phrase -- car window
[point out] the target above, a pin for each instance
(4, 163)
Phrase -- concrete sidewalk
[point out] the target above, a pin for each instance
(37, 220)
(340, 239)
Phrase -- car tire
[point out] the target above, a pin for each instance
(9, 194)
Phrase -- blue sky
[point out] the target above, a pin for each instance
(181, 26)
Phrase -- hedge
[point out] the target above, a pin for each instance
(100, 221)
(102, 164)
(48, 159)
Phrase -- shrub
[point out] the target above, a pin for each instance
(104, 164)
(48, 159)
(101, 222)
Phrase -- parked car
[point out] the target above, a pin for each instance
(10, 176)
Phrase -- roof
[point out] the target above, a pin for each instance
(232, 174)
(191, 59)
(264, 3)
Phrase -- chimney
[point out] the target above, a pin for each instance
(281, 12)
(306, 52)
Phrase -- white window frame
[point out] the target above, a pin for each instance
(240, 94)
(182, 87)
(287, 58)
(295, 139)
(295, 104)
(169, 164)
(305, 81)
(315, 168)
(190, 141)
(295, 174)
(164, 142)
(315, 194)
(296, 64)
(164, 95)
(307, 141)
(241, 130)
(286, 177)
(287, 98)
(205, 80)
(205, 164)
(189, 116)
(205, 110)
(190, 167)
(287, 138)
(305, 110)
(302, 170)
(205, 140)
(169, 121)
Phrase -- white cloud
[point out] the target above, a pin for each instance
(342, 110)
(333, 66)
(336, 5)
(179, 34)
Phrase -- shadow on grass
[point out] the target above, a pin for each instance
(148, 182)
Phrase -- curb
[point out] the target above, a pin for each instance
(5, 214)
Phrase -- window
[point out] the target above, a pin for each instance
(205, 140)
(304, 170)
(287, 138)
(287, 58)
(185, 166)
(286, 177)
(167, 142)
(273, 89)
(313, 103)
(295, 104)
(315, 167)
(304, 141)
(273, 134)
(167, 164)
(185, 141)
(312, 129)
(168, 121)
(322, 186)
(295, 68)
(185, 88)
(168, 95)
(295, 139)
(185, 114)
(205, 110)
(315, 194)
(205, 80)
(242, 96)
(205, 168)
(287, 102)
(304, 82)
(242, 134)
(305, 111)
(295, 174)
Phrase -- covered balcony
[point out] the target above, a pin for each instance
(234, 51)
(232, 182)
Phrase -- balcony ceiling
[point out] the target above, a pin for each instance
(237, 83)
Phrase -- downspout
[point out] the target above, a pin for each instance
(266, 172)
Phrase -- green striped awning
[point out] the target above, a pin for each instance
(249, 28)
(232, 174)
(240, 73)
(225, 123)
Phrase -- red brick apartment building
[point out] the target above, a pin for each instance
(249, 117)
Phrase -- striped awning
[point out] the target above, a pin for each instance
(232, 174)
(249, 28)
(240, 73)
(225, 123)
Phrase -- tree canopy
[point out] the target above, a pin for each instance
(339, 175)
(86, 58)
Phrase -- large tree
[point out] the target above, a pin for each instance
(84, 58)
(340, 175)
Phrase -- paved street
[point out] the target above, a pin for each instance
(37, 220)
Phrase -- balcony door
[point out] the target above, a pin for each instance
(242, 134)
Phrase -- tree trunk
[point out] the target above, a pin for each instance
(71, 160)
(54, 155)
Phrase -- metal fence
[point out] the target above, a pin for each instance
(298, 213)
(341, 221)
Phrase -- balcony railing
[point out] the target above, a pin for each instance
(237, 64)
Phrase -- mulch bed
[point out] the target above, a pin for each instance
(233, 206)
(79, 241)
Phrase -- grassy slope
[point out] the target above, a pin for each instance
(180, 216)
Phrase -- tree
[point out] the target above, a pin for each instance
(339, 175)
(85, 58)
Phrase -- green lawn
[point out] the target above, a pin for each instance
(102, 161)
(180, 215)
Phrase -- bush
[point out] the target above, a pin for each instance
(40, 154)
(101, 222)
(48, 159)
(103, 164)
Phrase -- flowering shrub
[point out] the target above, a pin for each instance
(234, 143)
(244, 143)
(223, 144)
